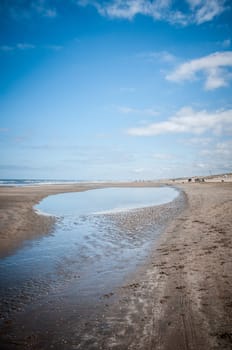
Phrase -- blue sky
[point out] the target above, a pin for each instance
(115, 89)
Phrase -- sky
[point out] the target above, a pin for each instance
(115, 90)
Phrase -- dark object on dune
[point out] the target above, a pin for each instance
(199, 180)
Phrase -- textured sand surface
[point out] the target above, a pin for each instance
(181, 298)
(19, 222)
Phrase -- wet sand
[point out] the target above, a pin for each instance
(19, 222)
(180, 298)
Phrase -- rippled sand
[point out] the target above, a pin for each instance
(179, 298)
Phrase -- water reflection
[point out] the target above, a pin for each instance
(105, 200)
(86, 253)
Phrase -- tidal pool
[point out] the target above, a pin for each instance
(106, 200)
(99, 238)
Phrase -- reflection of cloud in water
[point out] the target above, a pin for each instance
(86, 254)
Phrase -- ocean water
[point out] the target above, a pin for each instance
(95, 245)
(35, 182)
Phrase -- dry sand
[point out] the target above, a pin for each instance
(183, 298)
(180, 299)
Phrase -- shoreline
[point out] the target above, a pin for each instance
(180, 299)
(19, 222)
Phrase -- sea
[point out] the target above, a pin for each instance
(37, 182)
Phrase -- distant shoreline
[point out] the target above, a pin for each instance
(227, 177)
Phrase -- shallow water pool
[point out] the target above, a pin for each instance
(99, 238)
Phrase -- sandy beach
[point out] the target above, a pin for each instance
(18, 219)
(180, 298)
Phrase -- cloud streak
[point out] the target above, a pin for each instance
(206, 10)
(215, 68)
(27, 46)
(189, 121)
(130, 110)
(19, 46)
(162, 56)
(18, 10)
(198, 11)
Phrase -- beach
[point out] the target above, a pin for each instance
(18, 220)
(179, 298)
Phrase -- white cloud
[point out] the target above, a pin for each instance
(19, 46)
(153, 56)
(215, 67)
(130, 110)
(24, 46)
(43, 8)
(221, 149)
(198, 141)
(128, 9)
(54, 47)
(218, 158)
(206, 10)
(198, 11)
(186, 120)
(28, 9)
(176, 17)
